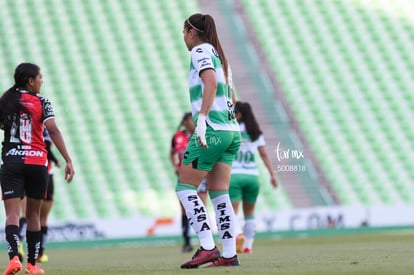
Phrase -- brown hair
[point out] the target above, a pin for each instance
(185, 117)
(252, 127)
(9, 101)
(206, 30)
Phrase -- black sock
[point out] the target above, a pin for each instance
(12, 240)
(185, 228)
(43, 239)
(33, 245)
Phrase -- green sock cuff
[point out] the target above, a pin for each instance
(247, 218)
(215, 194)
(184, 186)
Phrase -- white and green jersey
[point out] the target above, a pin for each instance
(245, 162)
(221, 115)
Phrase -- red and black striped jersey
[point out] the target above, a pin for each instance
(24, 142)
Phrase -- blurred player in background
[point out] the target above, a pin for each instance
(178, 144)
(23, 116)
(214, 145)
(48, 201)
(244, 181)
(22, 229)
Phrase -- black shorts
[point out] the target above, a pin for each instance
(18, 180)
(50, 189)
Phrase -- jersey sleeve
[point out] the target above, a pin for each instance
(47, 109)
(201, 59)
(260, 142)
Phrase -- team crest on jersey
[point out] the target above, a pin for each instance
(215, 52)
(25, 128)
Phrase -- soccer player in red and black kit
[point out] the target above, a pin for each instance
(23, 116)
(178, 145)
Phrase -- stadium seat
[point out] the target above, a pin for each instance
(344, 70)
(115, 72)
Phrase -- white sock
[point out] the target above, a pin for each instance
(197, 217)
(225, 224)
(237, 227)
(248, 243)
(249, 233)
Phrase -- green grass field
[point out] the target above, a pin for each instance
(379, 253)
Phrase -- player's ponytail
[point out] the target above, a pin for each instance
(206, 30)
(9, 106)
(212, 38)
(252, 127)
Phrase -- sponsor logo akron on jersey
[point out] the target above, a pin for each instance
(17, 152)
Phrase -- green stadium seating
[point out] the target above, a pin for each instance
(116, 74)
(345, 67)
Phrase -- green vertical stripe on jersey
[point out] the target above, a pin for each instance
(216, 62)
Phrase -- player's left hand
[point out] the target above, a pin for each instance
(69, 172)
(273, 181)
(200, 130)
